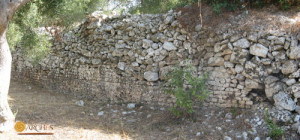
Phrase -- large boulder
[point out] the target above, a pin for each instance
(259, 50)
(283, 100)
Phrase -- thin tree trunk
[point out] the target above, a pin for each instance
(6, 116)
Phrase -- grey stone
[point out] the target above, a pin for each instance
(289, 67)
(227, 138)
(283, 100)
(169, 46)
(151, 76)
(242, 43)
(280, 116)
(259, 50)
(147, 43)
(79, 103)
(198, 28)
(121, 65)
(290, 82)
(100, 113)
(131, 105)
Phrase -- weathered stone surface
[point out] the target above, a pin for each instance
(280, 115)
(242, 43)
(283, 100)
(151, 76)
(216, 61)
(169, 46)
(251, 84)
(121, 65)
(259, 50)
(289, 67)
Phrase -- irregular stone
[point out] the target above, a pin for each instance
(151, 76)
(216, 61)
(198, 28)
(131, 105)
(169, 46)
(289, 67)
(296, 90)
(279, 40)
(242, 43)
(259, 50)
(121, 66)
(295, 74)
(290, 82)
(282, 100)
(147, 43)
(251, 84)
(280, 116)
(272, 89)
(239, 68)
(227, 138)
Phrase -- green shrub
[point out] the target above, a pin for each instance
(159, 6)
(186, 96)
(274, 130)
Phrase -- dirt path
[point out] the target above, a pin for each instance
(37, 106)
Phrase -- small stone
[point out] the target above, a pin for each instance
(259, 50)
(80, 103)
(100, 113)
(289, 67)
(290, 82)
(121, 66)
(169, 46)
(242, 43)
(198, 134)
(151, 76)
(227, 138)
(131, 105)
(257, 138)
(198, 28)
(245, 135)
(216, 61)
(147, 43)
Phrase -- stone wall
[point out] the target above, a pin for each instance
(125, 58)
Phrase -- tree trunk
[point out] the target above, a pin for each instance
(7, 10)
(6, 116)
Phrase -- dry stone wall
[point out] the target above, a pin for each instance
(125, 58)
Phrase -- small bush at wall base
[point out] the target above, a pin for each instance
(274, 130)
(187, 89)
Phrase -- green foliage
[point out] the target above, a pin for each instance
(25, 27)
(275, 130)
(159, 6)
(221, 5)
(185, 96)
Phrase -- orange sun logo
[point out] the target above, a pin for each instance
(20, 126)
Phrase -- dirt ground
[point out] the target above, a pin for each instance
(37, 106)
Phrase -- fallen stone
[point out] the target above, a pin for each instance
(131, 105)
(283, 100)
